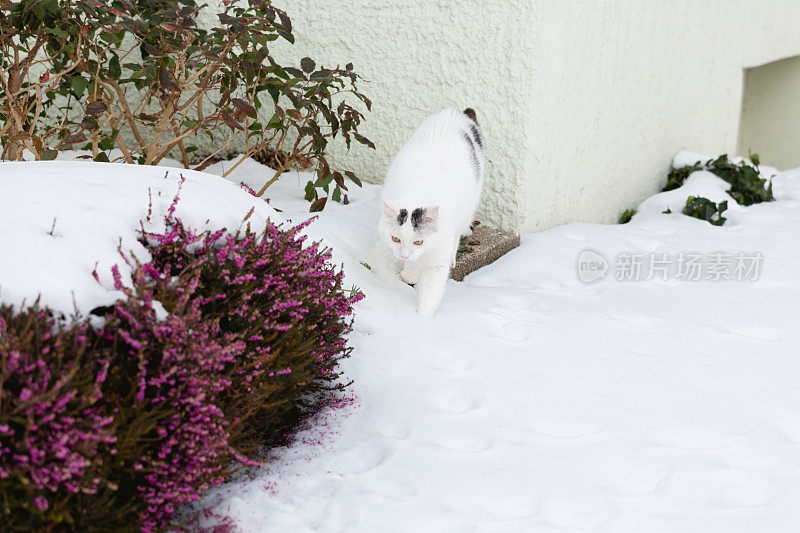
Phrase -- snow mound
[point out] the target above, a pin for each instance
(60, 221)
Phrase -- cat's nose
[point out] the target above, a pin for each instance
(403, 255)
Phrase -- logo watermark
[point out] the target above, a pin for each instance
(592, 266)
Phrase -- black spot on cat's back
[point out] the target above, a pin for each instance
(476, 134)
(471, 114)
(474, 155)
(401, 217)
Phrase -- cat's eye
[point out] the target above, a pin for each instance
(418, 243)
(395, 239)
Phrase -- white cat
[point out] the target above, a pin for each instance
(429, 198)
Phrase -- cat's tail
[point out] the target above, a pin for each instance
(471, 114)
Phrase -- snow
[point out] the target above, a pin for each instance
(62, 220)
(532, 400)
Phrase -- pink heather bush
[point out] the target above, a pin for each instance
(222, 347)
(284, 302)
(51, 425)
(165, 375)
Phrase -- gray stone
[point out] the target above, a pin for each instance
(484, 246)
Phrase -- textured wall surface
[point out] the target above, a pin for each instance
(583, 104)
(771, 113)
(421, 56)
(621, 86)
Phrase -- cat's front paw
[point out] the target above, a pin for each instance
(426, 310)
(409, 276)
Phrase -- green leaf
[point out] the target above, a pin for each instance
(307, 64)
(705, 209)
(311, 192)
(286, 35)
(627, 216)
(106, 144)
(363, 140)
(274, 122)
(95, 107)
(274, 92)
(113, 67)
(78, 85)
(318, 204)
(248, 109)
(58, 32)
(350, 174)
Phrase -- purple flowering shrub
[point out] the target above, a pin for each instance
(284, 302)
(52, 427)
(164, 378)
(222, 346)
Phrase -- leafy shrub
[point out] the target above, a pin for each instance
(284, 302)
(677, 176)
(147, 69)
(52, 426)
(42, 48)
(626, 216)
(747, 185)
(705, 209)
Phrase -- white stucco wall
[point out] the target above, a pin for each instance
(421, 56)
(628, 84)
(771, 113)
(583, 104)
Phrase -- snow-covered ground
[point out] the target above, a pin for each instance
(533, 400)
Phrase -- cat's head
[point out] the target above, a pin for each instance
(407, 229)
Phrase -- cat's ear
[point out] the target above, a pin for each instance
(425, 218)
(389, 211)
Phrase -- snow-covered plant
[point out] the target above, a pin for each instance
(626, 216)
(705, 209)
(52, 420)
(220, 347)
(747, 185)
(284, 300)
(677, 176)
